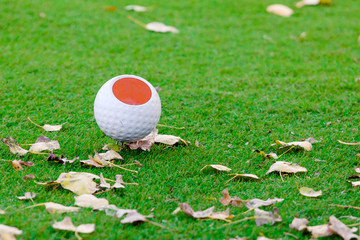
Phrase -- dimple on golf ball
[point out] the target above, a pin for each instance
(127, 108)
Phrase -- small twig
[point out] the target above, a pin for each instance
(159, 225)
(342, 206)
(291, 235)
(136, 21)
(114, 165)
(242, 220)
(162, 125)
(281, 177)
(78, 236)
(231, 178)
(353, 225)
(38, 153)
(34, 123)
(249, 210)
(286, 151)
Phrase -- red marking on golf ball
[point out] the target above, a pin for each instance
(131, 91)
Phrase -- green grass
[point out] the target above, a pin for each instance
(221, 79)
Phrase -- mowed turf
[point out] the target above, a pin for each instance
(234, 74)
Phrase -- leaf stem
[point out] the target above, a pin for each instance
(287, 151)
(159, 225)
(136, 21)
(162, 125)
(124, 168)
(34, 123)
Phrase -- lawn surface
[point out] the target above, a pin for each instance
(234, 74)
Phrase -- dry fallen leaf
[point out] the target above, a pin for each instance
(279, 9)
(336, 226)
(263, 217)
(199, 214)
(2, 211)
(217, 167)
(242, 175)
(52, 207)
(14, 146)
(357, 169)
(307, 2)
(221, 215)
(263, 238)
(90, 201)
(354, 184)
(168, 139)
(110, 155)
(307, 146)
(309, 192)
(77, 182)
(27, 195)
(8, 233)
(145, 143)
(133, 217)
(16, 165)
(352, 144)
(160, 27)
(61, 160)
(311, 140)
(67, 225)
(136, 8)
(256, 203)
(103, 182)
(299, 224)
(47, 127)
(28, 177)
(226, 199)
(320, 230)
(118, 182)
(110, 8)
(43, 143)
(267, 155)
(286, 167)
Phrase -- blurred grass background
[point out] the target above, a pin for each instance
(234, 74)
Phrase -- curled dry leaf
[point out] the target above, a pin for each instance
(307, 3)
(242, 175)
(17, 164)
(311, 139)
(14, 146)
(77, 182)
(217, 167)
(221, 215)
(8, 233)
(110, 155)
(352, 144)
(135, 8)
(103, 182)
(90, 201)
(354, 184)
(47, 127)
(286, 167)
(118, 182)
(133, 217)
(144, 144)
(227, 199)
(357, 169)
(160, 27)
(61, 160)
(256, 203)
(28, 177)
(263, 217)
(320, 230)
(309, 192)
(267, 155)
(43, 143)
(199, 214)
(336, 226)
(299, 224)
(52, 207)
(307, 146)
(280, 10)
(168, 139)
(27, 195)
(67, 225)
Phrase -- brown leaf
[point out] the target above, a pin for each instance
(307, 146)
(16, 165)
(267, 155)
(263, 217)
(61, 160)
(299, 224)
(226, 199)
(352, 144)
(320, 230)
(14, 146)
(96, 161)
(168, 139)
(256, 203)
(133, 217)
(336, 226)
(118, 182)
(27, 195)
(26, 164)
(144, 144)
(280, 10)
(28, 177)
(217, 167)
(199, 214)
(90, 201)
(309, 192)
(8, 233)
(311, 140)
(286, 167)
(110, 8)
(43, 143)
(67, 225)
(110, 155)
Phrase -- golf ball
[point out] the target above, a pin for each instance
(127, 108)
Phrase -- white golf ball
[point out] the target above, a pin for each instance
(127, 108)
